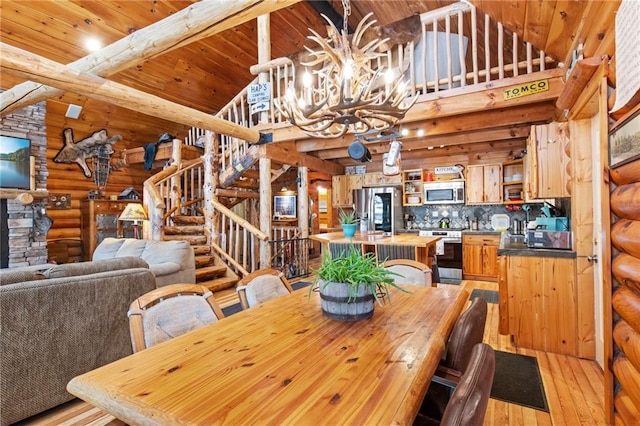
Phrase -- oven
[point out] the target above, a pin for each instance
(448, 253)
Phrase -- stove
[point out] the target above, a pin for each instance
(448, 253)
(448, 235)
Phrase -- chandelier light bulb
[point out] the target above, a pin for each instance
(306, 79)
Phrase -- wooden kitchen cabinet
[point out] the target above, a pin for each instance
(380, 179)
(484, 184)
(480, 257)
(342, 187)
(99, 220)
(543, 307)
(547, 162)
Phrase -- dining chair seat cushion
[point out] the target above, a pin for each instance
(408, 275)
(175, 316)
(263, 288)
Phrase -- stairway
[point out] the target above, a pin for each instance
(211, 271)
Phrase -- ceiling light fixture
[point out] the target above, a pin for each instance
(348, 94)
(93, 44)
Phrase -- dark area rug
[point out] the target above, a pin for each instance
(489, 295)
(518, 381)
(236, 307)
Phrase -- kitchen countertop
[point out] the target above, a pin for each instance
(514, 245)
(481, 232)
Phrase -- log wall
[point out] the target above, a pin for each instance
(625, 239)
(136, 130)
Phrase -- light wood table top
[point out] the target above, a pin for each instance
(373, 238)
(283, 362)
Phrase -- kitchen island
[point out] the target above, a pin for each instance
(420, 248)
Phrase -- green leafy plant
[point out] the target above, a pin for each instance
(347, 218)
(354, 268)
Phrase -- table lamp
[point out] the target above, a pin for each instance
(134, 212)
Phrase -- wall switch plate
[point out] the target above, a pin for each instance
(434, 214)
(455, 213)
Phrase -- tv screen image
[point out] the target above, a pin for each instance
(15, 156)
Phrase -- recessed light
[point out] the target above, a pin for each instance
(420, 132)
(93, 44)
(405, 132)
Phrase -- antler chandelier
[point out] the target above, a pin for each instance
(348, 92)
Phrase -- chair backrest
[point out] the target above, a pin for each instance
(411, 272)
(467, 332)
(170, 311)
(468, 403)
(262, 285)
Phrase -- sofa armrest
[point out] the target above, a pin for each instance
(164, 268)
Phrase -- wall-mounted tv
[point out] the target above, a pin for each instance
(15, 154)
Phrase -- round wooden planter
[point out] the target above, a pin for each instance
(337, 305)
(349, 229)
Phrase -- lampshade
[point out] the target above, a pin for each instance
(133, 212)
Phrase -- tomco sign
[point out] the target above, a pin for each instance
(526, 89)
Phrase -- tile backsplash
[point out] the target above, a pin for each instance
(429, 216)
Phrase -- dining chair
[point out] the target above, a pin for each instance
(262, 285)
(468, 403)
(170, 311)
(410, 271)
(467, 332)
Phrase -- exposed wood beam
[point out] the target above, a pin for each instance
(491, 135)
(25, 64)
(285, 152)
(198, 21)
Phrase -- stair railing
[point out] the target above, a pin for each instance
(237, 240)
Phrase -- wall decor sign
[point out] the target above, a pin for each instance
(525, 89)
(624, 139)
(284, 206)
(58, 201)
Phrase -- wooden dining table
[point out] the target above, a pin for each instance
(283, 362)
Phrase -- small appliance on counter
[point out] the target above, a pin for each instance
(552, 223)
(549, 239)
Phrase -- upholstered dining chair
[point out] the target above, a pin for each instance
(262, 285)
(468, 403)
(467, 332)
(170, 311)
(411, 272)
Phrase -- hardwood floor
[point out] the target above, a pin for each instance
(574, 388)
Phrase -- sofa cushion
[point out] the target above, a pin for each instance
(12, 276)
(86, 268)
(165, 268)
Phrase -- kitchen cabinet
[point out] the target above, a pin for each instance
(547, 162)
(543, 308)
(512, 181)
(99, 220)
(484, 184)
(342, 187)
(412, 188)
(380, 179)
(480, 257)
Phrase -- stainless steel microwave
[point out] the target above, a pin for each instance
(444, 192)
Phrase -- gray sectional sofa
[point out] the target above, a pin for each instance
(60, 322)
(172, 262)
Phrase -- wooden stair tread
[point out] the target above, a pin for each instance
(210, 271)
(184, 230)
(201, 250)
(194, 240)
(219, 283)
(204, 260)
(180, 219)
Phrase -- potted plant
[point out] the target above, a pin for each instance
(351, 283)
(348, 222)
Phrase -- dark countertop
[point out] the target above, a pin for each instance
(481, 232)
(512, 245)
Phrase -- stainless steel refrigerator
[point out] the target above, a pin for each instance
(379, 208)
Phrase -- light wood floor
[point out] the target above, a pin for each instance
(574, 388)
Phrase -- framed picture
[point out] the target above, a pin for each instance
(15, 162)
(284, 206)
(624, 140)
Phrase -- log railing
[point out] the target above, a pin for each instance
(435, 61)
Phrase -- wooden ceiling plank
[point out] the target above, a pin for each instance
(537, 22)
(564, 23)
(513, 16)
(21, 62)
(194, 23)
(598, 27)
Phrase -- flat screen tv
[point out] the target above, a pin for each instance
(15, 156)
